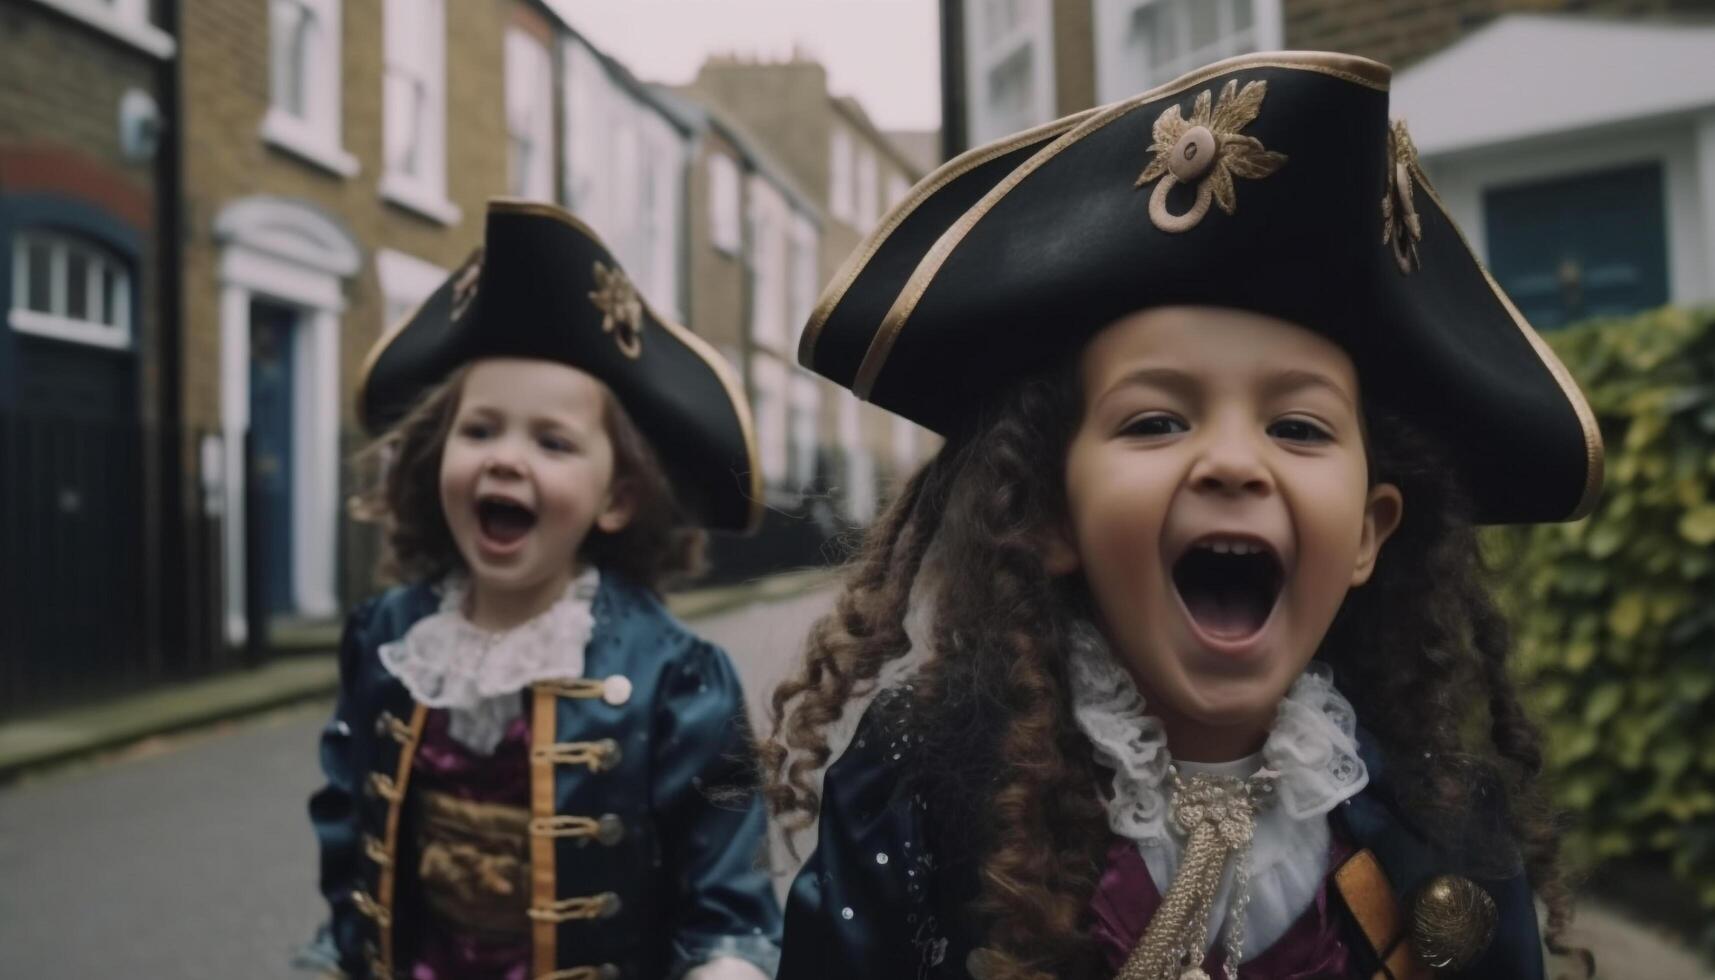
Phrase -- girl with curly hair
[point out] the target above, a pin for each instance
(1182, 659)
(533, 769)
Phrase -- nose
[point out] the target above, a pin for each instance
(504, 459)
(1231, 464)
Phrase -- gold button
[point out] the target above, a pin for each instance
(1193, 155)
(610, 830)
(616, 690)
(610, 754)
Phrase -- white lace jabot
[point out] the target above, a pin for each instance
(447, 662)
(1312, 746)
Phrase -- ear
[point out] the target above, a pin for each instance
(620, 508)
(1059, 553)
(1382, 513)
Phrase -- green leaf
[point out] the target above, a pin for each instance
(1627, 616)
(1603, 702)
(1698, 525)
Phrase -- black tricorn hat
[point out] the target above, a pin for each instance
(1270, 182)
(544, 286)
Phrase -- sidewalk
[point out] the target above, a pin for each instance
(47, 739)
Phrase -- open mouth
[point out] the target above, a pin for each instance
(503, 520)
(1228, 584)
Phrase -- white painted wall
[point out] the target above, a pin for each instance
(625, 175)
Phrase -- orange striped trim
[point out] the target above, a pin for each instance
(544, 932)
(1365, 889)
(390, 842)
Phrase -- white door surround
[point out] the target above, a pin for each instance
(288, 252)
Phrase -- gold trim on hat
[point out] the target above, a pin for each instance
(722, 370)
(394, 329)
(1360, 71)
(621, 308)
(943, 175)
(1595, 453)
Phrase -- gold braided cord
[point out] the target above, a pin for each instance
(598, 755)
(1218, 816)
(583, 907)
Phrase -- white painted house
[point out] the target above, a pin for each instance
(1578, 154)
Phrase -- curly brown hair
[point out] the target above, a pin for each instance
(657, 547)
(1421, 651)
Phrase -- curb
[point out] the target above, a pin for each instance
(52, 739)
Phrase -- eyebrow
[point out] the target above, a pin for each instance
(1275, 383)
(1295, 379)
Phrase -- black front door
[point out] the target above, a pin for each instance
(271, 430)
(1579, 247)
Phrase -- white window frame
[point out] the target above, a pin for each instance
(867, 175)
(529, 115)
(114, 332)
(313, 136)
(804, 412)
(1030, 37)
(726, 232)
(860, 465)
(127, 20)
(406, 281)
(803, 274)
(1122, 70)
(770, 250)
(769, 405)
(415, 41)
(842, 196)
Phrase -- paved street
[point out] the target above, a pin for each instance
(191, 858)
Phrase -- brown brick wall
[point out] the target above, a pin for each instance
(717, 279)
(225, 52)
(783, 105)
(60, 85)
(1074, 57)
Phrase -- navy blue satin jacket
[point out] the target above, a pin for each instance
(888, 889)
(666, 751)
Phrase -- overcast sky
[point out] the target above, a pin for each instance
(884, 52)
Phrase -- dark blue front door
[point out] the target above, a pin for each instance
(1579, 247)
(271, 441)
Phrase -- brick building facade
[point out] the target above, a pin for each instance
(86, 350)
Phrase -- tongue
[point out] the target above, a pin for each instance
(1226, 613)
(505, 525)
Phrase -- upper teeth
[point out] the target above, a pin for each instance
(1231, 546)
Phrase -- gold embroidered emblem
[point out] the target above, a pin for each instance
(1401, 226)
(464, 285)
(1208, 151)
(621, 309)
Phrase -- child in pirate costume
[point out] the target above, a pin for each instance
(534, 771)
(1199, 677)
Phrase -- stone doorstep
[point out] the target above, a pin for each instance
(59, 736)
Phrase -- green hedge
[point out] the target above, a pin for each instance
(1615, 614)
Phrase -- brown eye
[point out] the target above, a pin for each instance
(1299, 430)
(1154, 426)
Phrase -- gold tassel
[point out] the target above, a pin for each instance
(1217, 814)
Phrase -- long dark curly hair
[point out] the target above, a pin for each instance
(1420, 650)
(401, 493)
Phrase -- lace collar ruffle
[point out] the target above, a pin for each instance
(447, 662)
(1313, 744)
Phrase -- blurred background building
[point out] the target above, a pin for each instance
(1573, 141)
(212, 209)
